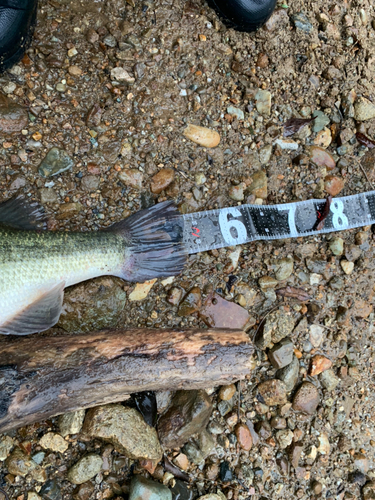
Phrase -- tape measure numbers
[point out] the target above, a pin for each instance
(237, 225)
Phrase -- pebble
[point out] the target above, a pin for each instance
(191, 303)
(121, 75)
(283, 268)
(47, 195)
(273, 392)
(319, 364)
(200, 178)
(347, 266)
(187, 415)
(162, 180)
(243, 436)
(248, 293)
(141, 290)
(258, 186)
(287, 144)
(236, 112)
(333, 185)
(301, 22)
(181, 491)
(19, 464)
(277, 326)
(323, 138)
(131, 177)
(13, 117)
(33, 496)
(320, 122)
(281, 353)
(90, 183)
(125, 429)
(226, 474)
(306, 399)
(321, 157)
(361, 462)
(278, 19)
(6, 445)
(263, 102)
(75, 70)
(357, 477)
(210, 496)
(267, 283)
(316, 335)
(220, 313)
(284, 438)
(364, 109)
(329, 380)
(85, 469)
(54, 442)
(368, 491)
(289, 374)
(352, 253)
(56, 161)
(265, 154)
(142, 488)
(336, 245)
(174, 296)
(324, 447)
(236, 192)
(201, 135)
(227, 392)
(181, 461)
(51, 490)
(71, 423)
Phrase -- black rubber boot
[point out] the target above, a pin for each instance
(17, 21)
(244, 15)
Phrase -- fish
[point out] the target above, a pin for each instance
(36, 264)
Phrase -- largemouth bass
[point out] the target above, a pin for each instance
(36, 265)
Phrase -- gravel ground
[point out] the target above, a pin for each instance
(112, 85)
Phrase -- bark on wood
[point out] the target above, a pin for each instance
(45, 376)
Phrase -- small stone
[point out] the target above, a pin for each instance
(352, 253)
(333, 185)
(283, 268)
(227, 392)
(317, 487)
(181, 491)
(48, 195)
(301, 22)
(361, 237)
(357, 477)
(236, 112)
(6, 445)
(75, 70)
(244, 438)
(324, 447)
(273, 392)
(220, 313)
(56, 161)
(191, 303)
(263, 102)
(267, 283)
(336, 246)
(54, 442)
(226, 474)
(33, 496)
(174, 296)
(316, 335)
(329, 380)
(306, 399)
(181, 461)
(323, 138)
(141, 290)
(51, 490)
(187, 415)
(71, 423)
(225, 407)
(13, 117)
(201, 135)
(121, 75)
(319, 364)
(85, 469)
(92, 36)
(364, 109)
(265, 154)
(211, 496)
(321, 157)
(287, 144)
(19, 464)
(162, 180)
(281, 353)
(278, 19)
(361, 462)
(347, 266)
(368, 491)
(284, 438)
(258, 187)
(289, 374)
(262, 60)
(125, 429)
(90, 183)
(200, 178)
(236, 192)
(131, 177)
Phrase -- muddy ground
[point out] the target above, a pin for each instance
(182, 65)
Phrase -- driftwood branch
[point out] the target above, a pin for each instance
(45, 376)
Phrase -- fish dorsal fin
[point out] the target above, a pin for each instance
(20, 213)
(39, 315)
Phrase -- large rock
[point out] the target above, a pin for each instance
(6, 444)
(364, 110)
(306, 399)
(13, 117)
(56, 161)
(125, 428)
(145, 489)
(86, 468)
(19, 464)
(277, 326)
(71, 423)
(187, 415)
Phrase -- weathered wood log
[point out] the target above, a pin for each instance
(44, 376)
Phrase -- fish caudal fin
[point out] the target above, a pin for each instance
(155, 240)
(39, 315)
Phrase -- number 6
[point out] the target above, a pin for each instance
(226, 226)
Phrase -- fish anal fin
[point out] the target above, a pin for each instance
(38, 316)
(20, 213)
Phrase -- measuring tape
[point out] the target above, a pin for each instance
(237, 225)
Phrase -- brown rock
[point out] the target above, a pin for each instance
(321, 157)
(227, 392)
(191, 303)
(262, 61)
(174, 296)
(132, 177)
(244, 438)
(258, 187)
(278, 19)
(201, 135)
(161, 180)
(94, 116)
(75, 70)
(220, 313)
(181, 461)
(306, 399)
(319, 364)
(273, 392)
(187, 415)
(295, 454)
(13, 117)
(333, 185)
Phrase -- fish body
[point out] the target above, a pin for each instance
(36, 265)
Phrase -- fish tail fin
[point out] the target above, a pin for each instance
(155, 239)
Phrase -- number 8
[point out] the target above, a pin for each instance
(226, 225)
(339, 219)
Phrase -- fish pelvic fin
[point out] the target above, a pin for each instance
(39, 315)
(155, 240)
